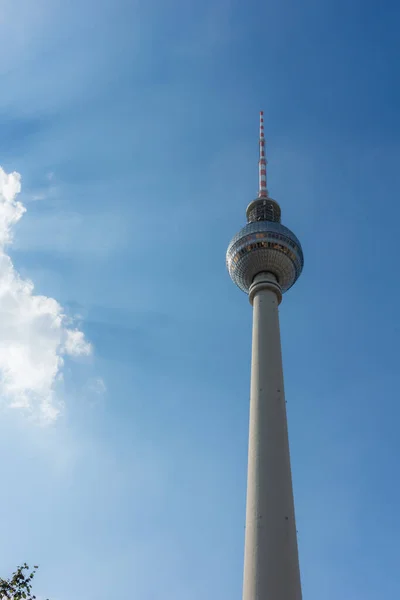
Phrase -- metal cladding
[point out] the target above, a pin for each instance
(263, 209)
(264, 244)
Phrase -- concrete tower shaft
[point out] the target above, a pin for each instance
(271, 564)
(265, 259)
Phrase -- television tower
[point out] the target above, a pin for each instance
(265, 259)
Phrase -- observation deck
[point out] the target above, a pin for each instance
(264, 245)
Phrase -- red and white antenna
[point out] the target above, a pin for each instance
(262, 163)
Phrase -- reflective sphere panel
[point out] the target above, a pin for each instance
(264, 246)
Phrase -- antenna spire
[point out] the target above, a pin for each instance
(262, 163)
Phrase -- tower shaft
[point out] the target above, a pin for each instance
(271, 565)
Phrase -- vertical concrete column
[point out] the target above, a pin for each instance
(271, 565)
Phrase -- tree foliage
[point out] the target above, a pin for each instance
(19, 586)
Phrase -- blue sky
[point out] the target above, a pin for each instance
(134, 128)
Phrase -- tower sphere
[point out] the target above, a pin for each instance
(264, 245)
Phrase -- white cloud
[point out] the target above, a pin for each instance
(35, 334)
(97, 386)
